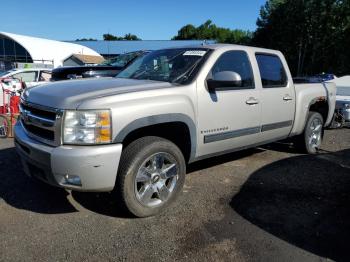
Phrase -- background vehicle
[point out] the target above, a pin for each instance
(314, 79)
(31, 76)
(342, 112)
(108, 68)
(324, 77)
(168, 108)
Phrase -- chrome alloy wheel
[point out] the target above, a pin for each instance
(156, 179)
(315, 137)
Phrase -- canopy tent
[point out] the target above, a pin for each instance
(42, 50)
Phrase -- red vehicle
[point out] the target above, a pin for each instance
(10, 91)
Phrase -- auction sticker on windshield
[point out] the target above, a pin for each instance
(195, 52)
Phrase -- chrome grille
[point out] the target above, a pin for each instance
(41, 123)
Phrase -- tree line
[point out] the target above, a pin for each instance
(130, 37)
(314, 35)
(208, 30)
(110, 37)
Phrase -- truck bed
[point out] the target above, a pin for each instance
(304, 93)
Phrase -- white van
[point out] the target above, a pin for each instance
(31, 76)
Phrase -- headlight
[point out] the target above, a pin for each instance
(87, 127)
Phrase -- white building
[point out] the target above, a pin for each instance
(26, 49)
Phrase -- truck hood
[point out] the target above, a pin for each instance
(70, 94)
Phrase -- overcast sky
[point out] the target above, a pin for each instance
(150, 20)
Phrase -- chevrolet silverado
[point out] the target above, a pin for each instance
(134, 134)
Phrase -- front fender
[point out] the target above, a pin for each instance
(160, 119)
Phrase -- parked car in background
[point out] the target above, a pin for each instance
(324, 77)
(135, 133)
(108, 68)
(30, 76)
(342, 111)
(306, 80)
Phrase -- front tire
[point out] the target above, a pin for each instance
(151, 175)
(311, 139)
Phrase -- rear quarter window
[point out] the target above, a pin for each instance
(271, 70)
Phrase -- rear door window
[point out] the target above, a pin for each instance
(272, 71)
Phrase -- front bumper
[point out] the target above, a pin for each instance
(94, 166)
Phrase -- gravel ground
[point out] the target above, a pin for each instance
(264, 204)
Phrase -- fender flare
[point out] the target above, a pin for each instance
(161, 119)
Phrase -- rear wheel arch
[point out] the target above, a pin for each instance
(321, 107)
(316, 105)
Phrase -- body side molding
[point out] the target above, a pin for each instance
(245, 132)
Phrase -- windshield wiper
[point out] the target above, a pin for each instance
(187, 73)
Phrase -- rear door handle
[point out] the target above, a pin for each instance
(252, 101)
(287, 98)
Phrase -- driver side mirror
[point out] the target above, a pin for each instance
(223, 80)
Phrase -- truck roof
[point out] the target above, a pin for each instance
(228, 46)
(244, 47)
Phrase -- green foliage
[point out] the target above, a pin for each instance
(314, 35)
(110, 37)
(131, 37)
(85, 39)
(208, 30)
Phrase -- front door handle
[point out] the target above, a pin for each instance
(252, 101)
(287, 98)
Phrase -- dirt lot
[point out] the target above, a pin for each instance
(265, 204)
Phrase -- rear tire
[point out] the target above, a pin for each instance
(151, 175)
(311, 139)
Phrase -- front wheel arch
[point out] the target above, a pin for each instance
(185, 132)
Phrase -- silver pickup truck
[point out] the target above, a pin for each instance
(134, 134)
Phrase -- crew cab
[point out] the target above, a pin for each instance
(134, 134)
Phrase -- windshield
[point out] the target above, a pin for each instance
(121, 60)
(168, 65)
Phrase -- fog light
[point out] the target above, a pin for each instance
(72, 180)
